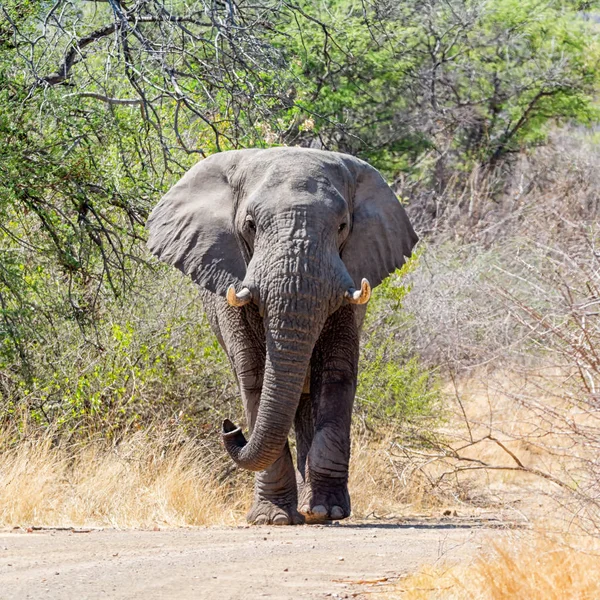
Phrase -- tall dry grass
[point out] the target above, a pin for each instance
(141, 483)
(374, 485)
(162, 478)
(154, 479)
(525, 568)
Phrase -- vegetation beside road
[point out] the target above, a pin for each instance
(479, 368)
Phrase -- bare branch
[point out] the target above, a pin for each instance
(74, 54)
(108, 100)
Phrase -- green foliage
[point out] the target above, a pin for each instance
(104, 104)
(463, 81)
(154, 360)
(393, 385)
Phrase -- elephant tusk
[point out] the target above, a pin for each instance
(361, 296)
(240, 299)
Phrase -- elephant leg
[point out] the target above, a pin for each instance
(275, 493)
(241, 333)
(303, 425)
(333, 386)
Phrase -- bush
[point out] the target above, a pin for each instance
(394, 388)
(512, 318)
(153, 359)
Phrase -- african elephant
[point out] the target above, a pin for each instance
(285, 245)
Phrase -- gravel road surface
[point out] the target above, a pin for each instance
(227, 563)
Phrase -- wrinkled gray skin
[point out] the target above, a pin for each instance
(298, 228)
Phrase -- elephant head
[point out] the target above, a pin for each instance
(295, 231)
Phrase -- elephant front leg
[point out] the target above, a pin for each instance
(275, 493)
(324, 495)
(305, 431)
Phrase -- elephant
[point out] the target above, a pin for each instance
(286, 245)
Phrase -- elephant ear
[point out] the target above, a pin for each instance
(381, 235)
(192, 227)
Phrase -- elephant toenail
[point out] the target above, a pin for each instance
(319, 511)
(281, 520)
(337, 513)
(262, 520)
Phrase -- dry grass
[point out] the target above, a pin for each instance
(156, 478)
(499, 451)
(532, 568)
(142, 483)
(152, 480)
(374, 485)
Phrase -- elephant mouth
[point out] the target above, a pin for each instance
(352, 295)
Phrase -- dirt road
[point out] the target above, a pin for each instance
(312, 562)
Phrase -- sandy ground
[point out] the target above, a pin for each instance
(333, 561)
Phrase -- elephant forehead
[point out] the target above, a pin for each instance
(303, 196)
(294, 170)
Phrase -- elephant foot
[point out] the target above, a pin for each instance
(325, 503)
(264, 512)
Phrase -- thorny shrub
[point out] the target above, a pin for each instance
(519, 303)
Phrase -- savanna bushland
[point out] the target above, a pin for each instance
(480, 364)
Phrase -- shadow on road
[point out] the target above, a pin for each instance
(432, 525)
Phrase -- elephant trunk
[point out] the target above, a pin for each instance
(285, 371)
(295, 310)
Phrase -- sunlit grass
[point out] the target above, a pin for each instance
(152, 479)
(142, 483)
(530, 567)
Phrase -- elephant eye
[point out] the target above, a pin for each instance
(341, 227)
(250, 223)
